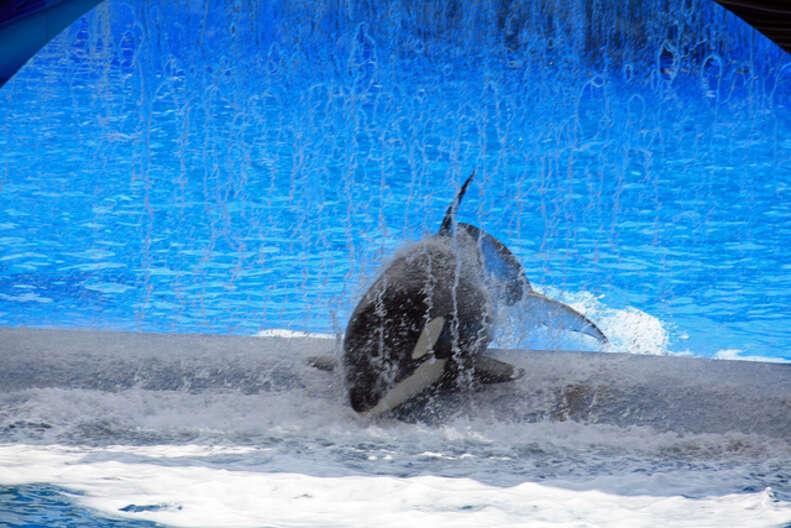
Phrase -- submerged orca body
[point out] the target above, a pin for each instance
(427, 319)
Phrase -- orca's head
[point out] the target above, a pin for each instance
(388, 360)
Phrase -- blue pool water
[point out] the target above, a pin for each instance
(161, 173)
(228, 168)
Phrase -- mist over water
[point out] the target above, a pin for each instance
(195, 430)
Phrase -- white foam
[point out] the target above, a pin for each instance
(736, 354)
(282, 332)
(285, 448)
(628, 330)
(169, 485)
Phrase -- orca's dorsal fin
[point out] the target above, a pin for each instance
(447, 222)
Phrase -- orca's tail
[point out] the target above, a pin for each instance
(447, 222)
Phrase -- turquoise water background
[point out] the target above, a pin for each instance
(176, 167)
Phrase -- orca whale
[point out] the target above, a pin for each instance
(428, 318)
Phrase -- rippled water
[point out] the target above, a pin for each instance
(227, 169)
(148, 185)
(211, 431)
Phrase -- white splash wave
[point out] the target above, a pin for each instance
(285, 333)
(741, 355)
(182, 490)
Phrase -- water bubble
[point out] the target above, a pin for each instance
(782, 84)
(667, 61)
(636, 106)
(362, 59)
(273, 60)
(628, 71)
(710, 74)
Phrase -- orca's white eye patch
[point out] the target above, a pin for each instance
(428, 337)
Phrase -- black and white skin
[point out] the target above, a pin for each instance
(429, 317)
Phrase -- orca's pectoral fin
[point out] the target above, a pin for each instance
(489, 370)
(555, 314)
(325, 363)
